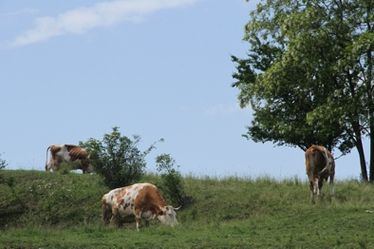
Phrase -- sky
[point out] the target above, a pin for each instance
(72, 70)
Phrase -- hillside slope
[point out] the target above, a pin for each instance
(63, 211)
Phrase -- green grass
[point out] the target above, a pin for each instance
(63, 211)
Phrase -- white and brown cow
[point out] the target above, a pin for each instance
(320, 166)
(68, 153)
(142, 200)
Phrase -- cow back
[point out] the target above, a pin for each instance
(318, 159)
(78, 153)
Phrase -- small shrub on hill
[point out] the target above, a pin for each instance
(117, 158)
(171, 180)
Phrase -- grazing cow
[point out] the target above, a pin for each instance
(142, 200)
(68, 153)
(320, 165)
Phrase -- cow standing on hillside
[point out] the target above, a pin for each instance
(68, 153)
(142, 200)
(320, 166)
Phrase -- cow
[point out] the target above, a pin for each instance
(68, 153)
(142, 200)
(320, 166)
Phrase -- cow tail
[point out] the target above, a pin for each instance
(327, 159)
(46, 158)
(312, 166)
(310, 159)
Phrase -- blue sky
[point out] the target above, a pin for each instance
(72, 70)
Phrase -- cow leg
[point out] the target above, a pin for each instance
(51, 167)
(138, 218)
(311, 191)
(316, 187)
(48, 166)
(320, 184)
(332, 187)
(147, 223)
(56, 165)
(115, 220)
(107, 213)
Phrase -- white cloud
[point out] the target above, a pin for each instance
(80, 20)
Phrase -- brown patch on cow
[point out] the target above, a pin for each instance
(70, 147)
(54, 148)
(78, 153)
(122, 201)
(118, 196)
(149, 198)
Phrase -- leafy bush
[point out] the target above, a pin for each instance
(171, 180)
(117, 158)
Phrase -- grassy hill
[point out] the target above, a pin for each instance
(42, 210)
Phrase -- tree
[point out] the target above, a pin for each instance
(309, 74)
(117, 158)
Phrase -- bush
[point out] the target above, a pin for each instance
(117, 158)
(171, 180)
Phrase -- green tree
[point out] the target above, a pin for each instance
(117, 158)
(309, 74)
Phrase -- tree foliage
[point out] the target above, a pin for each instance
(309, 73)
(117, 158)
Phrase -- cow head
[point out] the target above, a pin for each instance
(168, 216)
(89, 169)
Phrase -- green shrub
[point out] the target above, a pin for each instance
(117, 158)
(171, 180)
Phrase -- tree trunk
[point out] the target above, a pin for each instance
(371, 123)
(370, 93)
(371, 134)
(357, 130)
(371, 114)
(371, 177)
(360, 149)
(361, 153)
